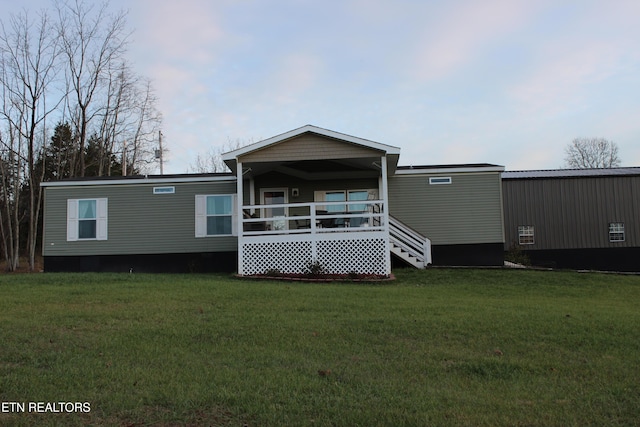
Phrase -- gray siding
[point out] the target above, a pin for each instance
(467, 211)
(309, 147)
(572, 213)
(139, 222)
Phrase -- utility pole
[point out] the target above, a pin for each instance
(124, 158)
(159, 152)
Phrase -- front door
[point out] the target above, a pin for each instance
(274, 216)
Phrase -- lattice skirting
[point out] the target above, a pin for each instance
(336, 256)
(286, 257)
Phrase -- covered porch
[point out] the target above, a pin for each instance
(313, 198)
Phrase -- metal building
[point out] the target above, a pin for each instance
(581, 219)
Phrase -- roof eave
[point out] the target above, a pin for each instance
(451, 169)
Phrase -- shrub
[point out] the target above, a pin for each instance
(314, 269)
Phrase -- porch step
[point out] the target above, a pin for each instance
(406, 256)
(408, 244)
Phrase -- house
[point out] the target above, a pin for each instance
(578, 219)
(310, 195)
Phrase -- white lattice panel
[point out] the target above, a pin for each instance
(365, 256)
(286, 257)
(337, 254)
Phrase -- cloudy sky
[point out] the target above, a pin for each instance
(508, 82)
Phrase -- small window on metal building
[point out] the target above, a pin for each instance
(616, 231)
(440, 180)
(526, 235)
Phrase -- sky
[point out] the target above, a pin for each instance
(507, 82)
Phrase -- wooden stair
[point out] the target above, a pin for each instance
(408, 244)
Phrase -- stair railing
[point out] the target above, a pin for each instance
(410, 240)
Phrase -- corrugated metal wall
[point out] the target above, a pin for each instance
(572, 212)
(139, 222)
(467, 211)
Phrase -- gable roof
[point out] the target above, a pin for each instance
(231, 157)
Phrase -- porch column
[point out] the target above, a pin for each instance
(385, 214)
(240, 203)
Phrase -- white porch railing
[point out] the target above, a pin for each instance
(408, 244)
(343, 237)
(313, 218)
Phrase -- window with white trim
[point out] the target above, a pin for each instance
(215, 215)
(87, 219)
(526, 235)
(164, 190)
(616, 232)
(434, 180)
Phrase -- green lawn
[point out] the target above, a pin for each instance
(436, 347)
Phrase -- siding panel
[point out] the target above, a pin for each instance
(139, 221)
(467, 211)
(309, 147)
(572, 212)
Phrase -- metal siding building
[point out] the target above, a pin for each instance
(571, 212)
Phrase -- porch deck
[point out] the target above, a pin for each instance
(343, 237)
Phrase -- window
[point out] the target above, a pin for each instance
(346, 195)
(350, 196)
(616, 232)
(440, 180)
(164, 190)
(86, 219)
(526, 235)
(335, 196)
(215, 215)
(275, 196)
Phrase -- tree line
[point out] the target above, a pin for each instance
(71, 106)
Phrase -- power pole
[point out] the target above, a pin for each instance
(124, 158)
(159, 152)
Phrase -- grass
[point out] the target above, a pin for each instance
(436, 347)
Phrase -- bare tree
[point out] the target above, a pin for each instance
(591, 153)
(99, 104)
(144, 126)
(11, 168)
(92, 41)
(211, 161)
(29, 55)
(109, 101)
(113, 115)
